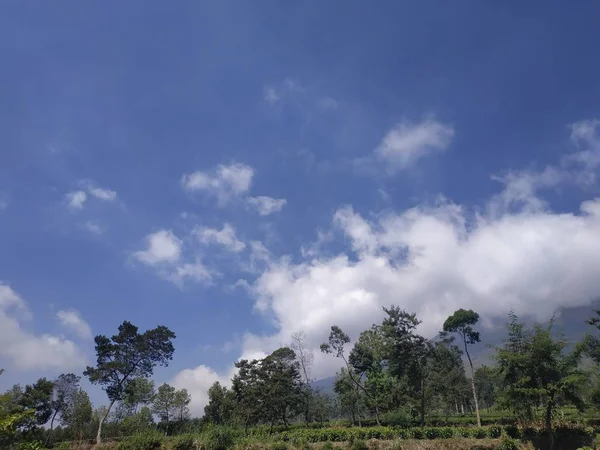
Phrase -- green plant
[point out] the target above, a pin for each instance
(218, 438)
(34, 445)
(358, 444)
(279, 446)
(508, 444)
(151, 440)
(184, 442)
(327, 446)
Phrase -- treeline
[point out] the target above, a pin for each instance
(390, 375)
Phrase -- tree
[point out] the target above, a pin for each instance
(77, 413)
(488, 385)
(461, 323)
(335, 345)
(182, 400)
(64, 390)
(125, 356)
(37, 397)
(221, 404)
(408, 352)
(138, 392)
(536, 369)
(350, 398)
(305, 359)
(164, 404)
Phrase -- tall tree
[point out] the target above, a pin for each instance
(125, 356)
(221, 404)
(335, 346)
(305, 358)
(461, 323)
(182, 400)
(138, 392)
(64, 390)
(37, 397)
(164, 404)
(77, 414)
(408, 352)
(536, 368)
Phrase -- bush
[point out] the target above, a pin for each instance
(495, 431)
(279, 446)
(218, 438)
(358, 444)
(508, 444)
(328, 446)
(184, 442)
(145, 441)
(479, 433)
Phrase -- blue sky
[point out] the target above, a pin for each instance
(239, 171)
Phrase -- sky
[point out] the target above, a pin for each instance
(241, 171)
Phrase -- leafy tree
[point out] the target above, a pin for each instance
(64, 390)
(77, 413)
(182, 400)
(164, 404)
(125, 356)
(350, 398)
(268, 390)
(221, 404)
(488, 385)
(408, 353)
(461, 323)
(138, 392)
(37, 397)
(536, 369)
(335, 345)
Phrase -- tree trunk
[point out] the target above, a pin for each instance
(462, 407)
(51, 427)
(473, 386)
(456, 406)
(102, 419)
(549, 408)
(422, 401)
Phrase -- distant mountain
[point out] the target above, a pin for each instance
(324, 385)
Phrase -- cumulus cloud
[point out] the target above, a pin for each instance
(164, 253)
(266, 205)
(407, 142)
(162, 246)
(75, 200)
(26, 350)
(225, 237)
(72, 320)
(93, 227)
(275, 93)
(103, 194)
(224, 183)
(197, 381)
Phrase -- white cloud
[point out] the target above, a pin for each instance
(73, 321)
(406, 143)
(194, 271)
(103, 194)
(270, 95)
(75, 200)
(266, 205)
(197, 381)
(93, 227)
(224, 183)
(225, 237)
(26, 350)
(161, 247)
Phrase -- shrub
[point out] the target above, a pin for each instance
(358, 444)
(184, 442)
(151, 440)
(479, 433)
(33, 445)
(495, 431)
(278, 446)
(218, 438)
(508, 444)
(327, 446)
(416, 433)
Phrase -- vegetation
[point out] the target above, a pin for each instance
(394, 387)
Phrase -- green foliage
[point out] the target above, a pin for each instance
(33, 445)
(221, 405)
(358, 444)
(218, 438)
(278, 446)
(508, 444)
(151, 440)
(327, 446)
(184, 442)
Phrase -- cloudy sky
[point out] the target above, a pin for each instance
(239, 171)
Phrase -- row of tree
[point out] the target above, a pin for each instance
(390, 370)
